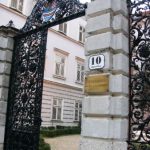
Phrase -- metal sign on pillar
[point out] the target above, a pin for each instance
(97, 62)
(25, 93)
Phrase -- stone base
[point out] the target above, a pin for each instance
(98, 144)
(1, 146)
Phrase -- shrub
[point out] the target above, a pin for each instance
(61, 131)
(43, 145)
(141, 146)
(47, 128)
(61, 127)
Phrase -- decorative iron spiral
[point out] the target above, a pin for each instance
(139, 15)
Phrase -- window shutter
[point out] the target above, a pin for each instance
(20, 7)
(81, 34)
(59, 113)
(57, 68)
(54, 113)
(65, 28)
(80, 72)
(60, 27)
(62, 70)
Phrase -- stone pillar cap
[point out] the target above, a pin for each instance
(8, 31)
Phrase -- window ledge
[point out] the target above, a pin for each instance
(59, 77)
(76, 121)
(57, 121)
(81, 42)
(81, 83)
(15, 9)
(62, 32)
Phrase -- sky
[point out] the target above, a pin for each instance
(84, 1)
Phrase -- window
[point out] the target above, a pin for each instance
(57, 108)
(60, 65)
(80, 73)
(77, 114)
(63, 28)
(17, 4)
(81, 34)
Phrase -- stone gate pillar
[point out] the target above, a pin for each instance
(6, 48)
(105, 113)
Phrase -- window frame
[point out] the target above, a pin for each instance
(81, 34)
(17, 5)
(62, 65)
(78, 109)
(82, 72)
(64, 27)
(57, 107)
(62, 54)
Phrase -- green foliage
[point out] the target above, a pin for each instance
(43, 145)
(47, 128)
(60, 131)
(141, 146)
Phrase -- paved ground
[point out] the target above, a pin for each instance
(64, 142)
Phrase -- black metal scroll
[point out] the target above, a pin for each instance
(47, 11)
(139, 15)
(25, 93)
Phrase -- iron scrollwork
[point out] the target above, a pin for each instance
(46, 11)
(24, 105)
(139, 11)
(26, 83)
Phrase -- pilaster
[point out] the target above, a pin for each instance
(6, 50)
(105, 115)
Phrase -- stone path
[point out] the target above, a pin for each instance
(64, 142)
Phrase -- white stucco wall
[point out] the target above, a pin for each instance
(69, 96)
(74, 27)
(27, 5)
(7, 14)
(55, 40)
(60, 42)
(3, 2)
(27, 8)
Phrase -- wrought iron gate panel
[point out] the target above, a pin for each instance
(139, 117)
(25, 93)
(26, 83)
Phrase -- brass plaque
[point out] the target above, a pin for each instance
(96, 84)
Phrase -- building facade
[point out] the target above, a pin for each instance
(64, 65)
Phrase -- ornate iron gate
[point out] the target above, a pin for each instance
(25, 93)
(139, 137)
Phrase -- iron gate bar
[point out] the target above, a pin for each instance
(26, 82)
(51, 24)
